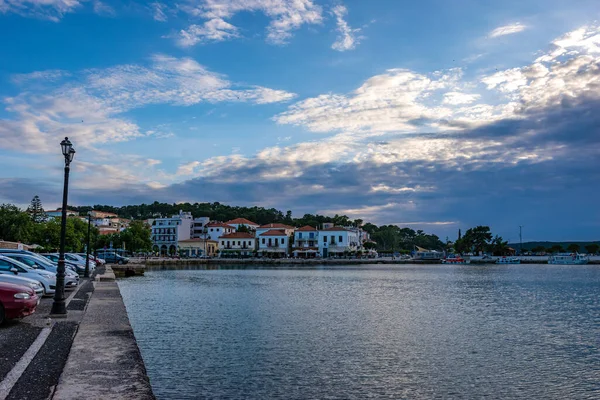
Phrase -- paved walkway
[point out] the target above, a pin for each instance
(92, 354)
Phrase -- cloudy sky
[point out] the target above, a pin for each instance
(434, 114)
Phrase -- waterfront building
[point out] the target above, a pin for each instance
(289, 230)
(214, 230)
(197, 247)
(102, 214)
(273, 243)
(167, 232)
(337, 241)
(237, 244)
(306, 242)
(58, 213)
(199, 227)
(236, 223)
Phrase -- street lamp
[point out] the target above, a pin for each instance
(86, 274)
(58, 306)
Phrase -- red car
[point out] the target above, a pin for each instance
(16, 301)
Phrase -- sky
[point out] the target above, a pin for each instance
(431, 114)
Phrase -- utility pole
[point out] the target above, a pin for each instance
(520, 240)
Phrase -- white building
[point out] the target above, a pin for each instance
(216, 229)
(199, 227)
(236, 244)
(273, 243)
(167, 232)
(306, 242)
(289, 230)
(336, 241)
(236, 223)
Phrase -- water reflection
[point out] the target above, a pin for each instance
(358, 332)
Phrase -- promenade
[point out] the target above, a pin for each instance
(91, 354)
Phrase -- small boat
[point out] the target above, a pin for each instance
(568, 259)
(508, 260)
(455, 260)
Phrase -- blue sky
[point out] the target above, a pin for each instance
(436, 115)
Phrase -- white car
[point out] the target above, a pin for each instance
(17, 280)
(71, 277)
(8, 266)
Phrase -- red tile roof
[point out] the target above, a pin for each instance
(243, 221)
(276, 226)
(273, 232)
(218, 225)
(237, 235)
(335, 229)
(306, 228)
(196, 241)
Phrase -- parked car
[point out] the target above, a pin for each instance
(97, 260)
(78, 259)
(8, 266)
(71, 277)
(80, 269)
(16, 301)
(113, 258)
(19, 280)
(38, 256)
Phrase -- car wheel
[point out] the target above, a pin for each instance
(1, 314)
(120, 262)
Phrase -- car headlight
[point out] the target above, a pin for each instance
(35, 286)
(22, 296)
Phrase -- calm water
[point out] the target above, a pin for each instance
(522, 331)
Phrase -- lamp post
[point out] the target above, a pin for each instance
(86, 274)
(58, 306)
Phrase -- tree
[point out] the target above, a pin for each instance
(370, 245)
(555, 249)
(479, 238)
(36, 211)
(592, 248)
(574, 248)
(15, 225)
(538, 249)
(498, 246)
(243, 228)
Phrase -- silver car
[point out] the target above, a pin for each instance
(19, 280)
(8, 266)
(71, 277)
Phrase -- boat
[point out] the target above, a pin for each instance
(424, 254)
(455, 260)
(508, 260)
(568, 259)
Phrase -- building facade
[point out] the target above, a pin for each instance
(214, 230)
(337, 241)
(197, 247)
(199, 227)
(236, 223)
(273, 243)
(237, 244)
(306, 242)
(167, 232)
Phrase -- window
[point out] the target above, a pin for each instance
(222, 243)
(263, 240)
(238, 242)
(311, 235)
(324, 239)
(340, 239)
(282, 241)
(211, 229)
(4, 266)
(299, 235)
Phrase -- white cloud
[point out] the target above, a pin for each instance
(89, 106)
(346, 39)
(456, 98)
(188, 168)
(103, 8)
(507, 30)
(215, 30)
(52, 10)
(159, 11)
(286, 16)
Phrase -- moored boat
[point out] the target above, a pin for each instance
(568, 259)
(455, 260)
(508, 260)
